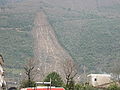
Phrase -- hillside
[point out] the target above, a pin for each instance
(88, 30)
(16, 42)
(91, 37)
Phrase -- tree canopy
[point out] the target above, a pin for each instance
(55, 78)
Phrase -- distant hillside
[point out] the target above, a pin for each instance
(4, 2)
(83, 4)
(91, 37)
(88, 29)
(16, 39)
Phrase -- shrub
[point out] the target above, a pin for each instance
(78, 86)
(113, 87)
(56, 80)
(84, 87)
(27, 83)
(70, 85)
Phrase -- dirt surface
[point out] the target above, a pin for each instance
(48, 52)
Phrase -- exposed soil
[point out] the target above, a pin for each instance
(48, 52)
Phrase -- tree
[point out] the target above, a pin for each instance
(55, 78)
(30, 73)
(70, 70)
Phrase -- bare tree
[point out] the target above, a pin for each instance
(31, 73)
(70, 71)
(30, 69)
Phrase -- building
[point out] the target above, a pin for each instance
(2, 81)
(97, 80)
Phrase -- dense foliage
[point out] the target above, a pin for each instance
(55, 78)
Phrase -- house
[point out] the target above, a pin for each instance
(2, 81)
(97, 80)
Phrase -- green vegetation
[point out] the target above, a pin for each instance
(27, 83)
(91, 38)
(55, 78)
(84, 87)
(113, 87)
(70, 85)
(16, 43)
(57, 81)
(22, 21)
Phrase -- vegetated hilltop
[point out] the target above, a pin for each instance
(87, 29)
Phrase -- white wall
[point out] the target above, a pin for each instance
(99, 79)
